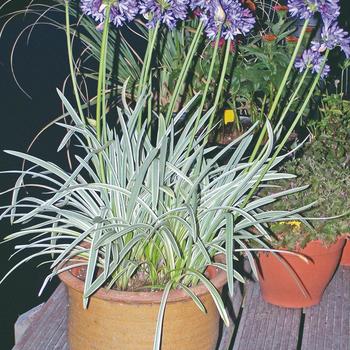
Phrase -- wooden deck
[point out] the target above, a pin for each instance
(256, 325)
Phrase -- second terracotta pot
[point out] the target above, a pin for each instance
(345, 258)
(127, 320)
(303, 288)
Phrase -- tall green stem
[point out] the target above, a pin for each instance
(280, 89)
(292, 99)
(101, 75)
(70, 61)
(101, 89)
(290, 130)
(205, 92)
(220, 86)
(184, 71)
(146, 65)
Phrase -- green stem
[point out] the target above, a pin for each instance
(216, 102)
(71, 67)
(285, 111)
(280, 90)
(291, 128)
(101, 86)
(205, 92)
(292, 99)
(184, 71)
(146, 65)
(148, 57)
(149, 107)
(220, 86)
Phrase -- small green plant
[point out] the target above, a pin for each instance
(329, 194)
(331, 133)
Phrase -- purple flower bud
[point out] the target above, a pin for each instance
(312, 60)
(233, 17)
(332, 36)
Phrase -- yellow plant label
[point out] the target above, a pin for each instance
(229, 116)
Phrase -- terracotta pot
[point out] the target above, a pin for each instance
(305, 286)
(345, 258)
(127, 320)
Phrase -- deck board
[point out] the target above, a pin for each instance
(256, 324)
(233, 310)
(49, 326)
(264, 326)
(327, 325)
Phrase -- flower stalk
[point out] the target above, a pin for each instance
(288, 133)
(206, 87)
(146, 66)
(280, 90)
(71, 62)
(220, 87)
(101, 91)
(182, 76)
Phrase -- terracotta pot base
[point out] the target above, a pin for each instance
(127, 320)
(283, 288)
(345, 258)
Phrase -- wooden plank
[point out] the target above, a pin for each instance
(264, 326)
(49, 326)
(233, 308)
(261, 325)
(24, 321)
(327, 326)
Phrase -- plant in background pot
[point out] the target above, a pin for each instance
(146, 217)
(330, 142)
(298, 283)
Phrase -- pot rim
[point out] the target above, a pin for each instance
(337, 245)
(218, 280)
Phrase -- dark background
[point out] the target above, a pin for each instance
(40, 67)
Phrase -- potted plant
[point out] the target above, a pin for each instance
(330, 136)
(294, 282)
(146, 217)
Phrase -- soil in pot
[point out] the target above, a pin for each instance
(345, 258)
(229, 132)
(279, 286)
(127, 320)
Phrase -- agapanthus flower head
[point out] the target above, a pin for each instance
(121, 10)
(305, 9)
(312, 60)
(332, 36)
(164, 11)
(229, 14)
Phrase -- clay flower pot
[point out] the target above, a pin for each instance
(345, 258)
(127, 320)
(280, 287)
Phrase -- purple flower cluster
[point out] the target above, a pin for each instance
(121, 10)
(332, 36)
(164, 11)
(233, 18)
(312, 60)
(229, 14)
(304, 9)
